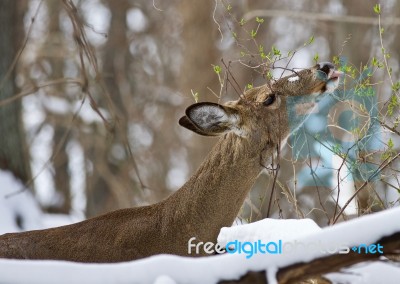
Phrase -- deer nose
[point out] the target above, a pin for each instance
(325, 67)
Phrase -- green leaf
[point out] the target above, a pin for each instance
(390, 144)
(217, 69)
(253, 33)
(276, 51)
(389, 152)
(259, 20)
(336, 60)
(316, 58)
(396, 86)
(375, 62)
(337, 149)
(377, 9)
(249, 86)
(393, 104)
(262, 53)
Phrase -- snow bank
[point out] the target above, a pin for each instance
(168, 269)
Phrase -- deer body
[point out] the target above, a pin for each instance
(251, 129)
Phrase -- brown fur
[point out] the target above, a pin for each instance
(211, 198)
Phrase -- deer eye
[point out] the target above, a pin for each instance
(270, 100)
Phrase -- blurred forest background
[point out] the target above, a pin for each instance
(91, 92)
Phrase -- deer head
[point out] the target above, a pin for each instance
(261, 113)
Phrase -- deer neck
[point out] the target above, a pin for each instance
(213, 196)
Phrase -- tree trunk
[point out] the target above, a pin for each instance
(60, 161)
(13, 150)
(108, 188)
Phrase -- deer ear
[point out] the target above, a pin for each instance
(210, 119)
(185, 122)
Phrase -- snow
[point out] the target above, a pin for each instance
(22, 206)
(136, 20)
(293, 79)
(87, 114)
(56, 220)
(168, 269)
(376, 272)
(268, 229)
(56, 105)
(17, 202)
(164, 279)
(347, 186)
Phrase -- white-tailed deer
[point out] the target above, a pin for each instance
(250, 128)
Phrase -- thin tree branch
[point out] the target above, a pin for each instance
(320, 17)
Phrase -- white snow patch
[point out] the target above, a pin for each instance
(176, 177)
(76, 168)
(20, 206)
(136, 20)
(268, 230)
(164, 279)
(88, 115)
(293, 79)
(41, 151)
(346, 185)
(56, 105)
(370, 272)
(99, 17)
(18, 203)
(56, 220)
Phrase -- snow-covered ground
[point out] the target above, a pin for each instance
(167, 269)
(20, 206)
(19, 210)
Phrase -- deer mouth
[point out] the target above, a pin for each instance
(328, 72)
(333, 81)
(335, 75)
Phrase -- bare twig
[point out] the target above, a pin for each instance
(155, 7)
(215, 20)
(388, 127)
(380, 169)
(319, 17)
(34, 89)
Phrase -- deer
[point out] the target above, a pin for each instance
(249, 128)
